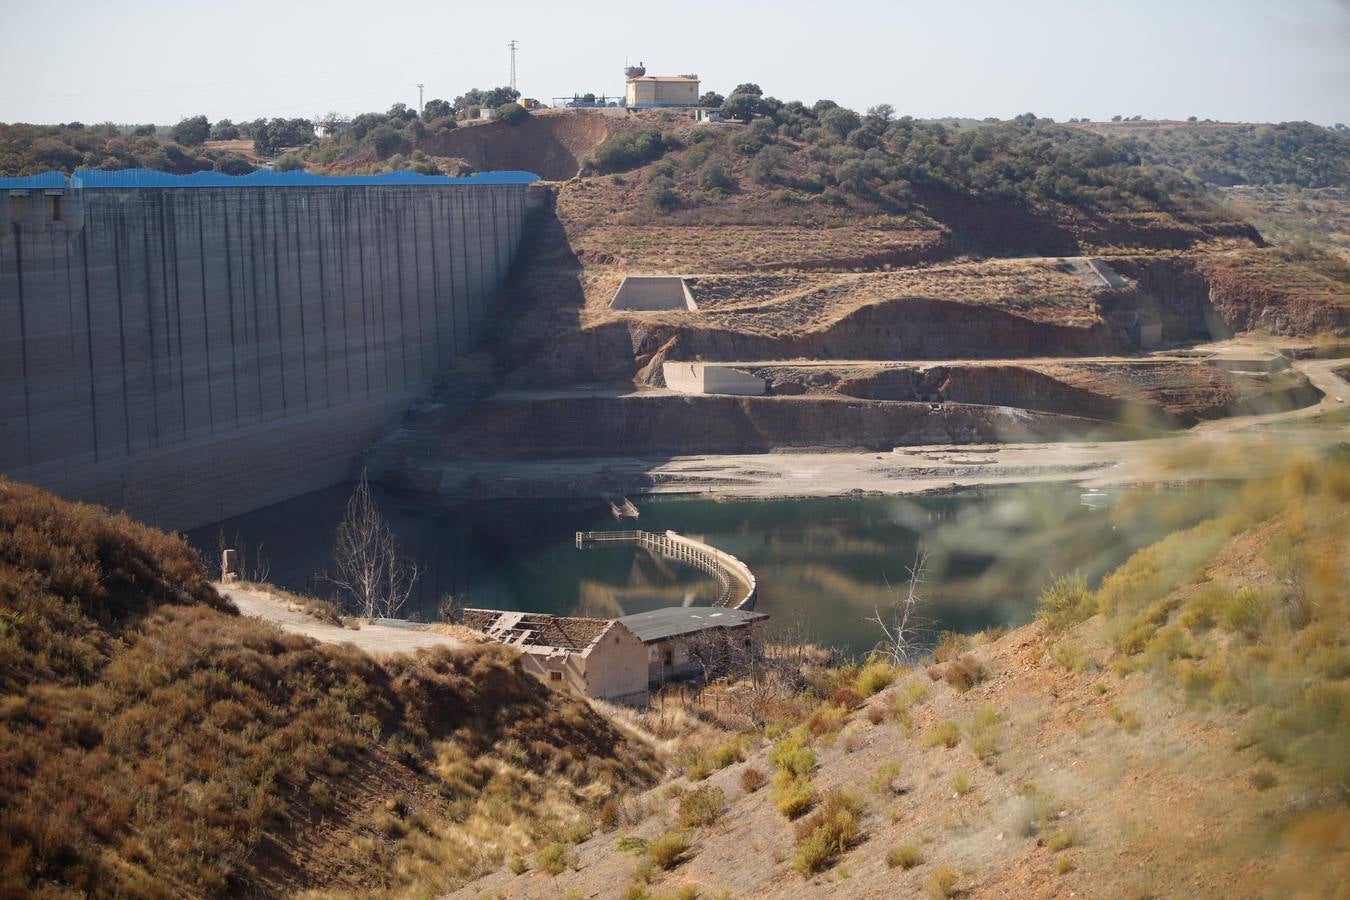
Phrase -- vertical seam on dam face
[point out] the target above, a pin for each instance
(23, 348)
(124, 312)
(89, 343)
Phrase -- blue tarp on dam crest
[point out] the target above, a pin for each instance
(150, 178)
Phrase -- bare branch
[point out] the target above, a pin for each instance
(899, 624)
(369, 568)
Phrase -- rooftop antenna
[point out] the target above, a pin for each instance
(419, 97)
(512, 44)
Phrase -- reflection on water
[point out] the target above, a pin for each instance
(829, 562)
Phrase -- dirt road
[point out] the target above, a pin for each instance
(377, 640)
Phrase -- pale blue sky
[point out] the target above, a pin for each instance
(149, 61)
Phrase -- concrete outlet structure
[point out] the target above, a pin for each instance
(712, 378)
(649, 293)
(190, 348)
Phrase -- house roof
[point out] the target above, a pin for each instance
(678, 78)
(674, 621)
(536, 629)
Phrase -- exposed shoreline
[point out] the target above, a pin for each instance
(1198, 453)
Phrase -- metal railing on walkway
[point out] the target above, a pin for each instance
(734, 578)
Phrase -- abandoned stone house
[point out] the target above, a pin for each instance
(595, 657)
(680, 640)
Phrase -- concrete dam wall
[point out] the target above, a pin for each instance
(190, 353)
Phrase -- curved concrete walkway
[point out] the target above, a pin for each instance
(377, 640)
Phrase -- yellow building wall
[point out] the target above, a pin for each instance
(682, 93)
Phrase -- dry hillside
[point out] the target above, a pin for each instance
(1183, 731)
(155, 744)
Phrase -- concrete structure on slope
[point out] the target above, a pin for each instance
(684, 641)
(594, 657)
(648, 293)
(190, 348)
(712, 378)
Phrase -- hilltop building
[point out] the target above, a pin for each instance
(645, 91)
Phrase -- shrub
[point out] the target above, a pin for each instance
(791, 755)
(964, 672)
(1069, 656)
(905, 856)
(608, 816)
(512, 113)
(289, 162)
(961, 783)
(630, 844)
(947, 734)
(732, 751)
(764, 168)
(829, 718)
(230, 164)
(752, 779)
(942, 883)
(627, 150)
(1064, 866)
(950, 645)
(713, 177)
(876, 714)
(873, 677)
(668, 850)
(663, 195)
(1061, 839)
(887, 772)
(827, 832)
(1244, 612)
(1066, 602)
(845, 698)
(554, 858)
(983, 733)
(701, 806)
(793, 795)
(698, 769)
(1125, 718)
(850, 739)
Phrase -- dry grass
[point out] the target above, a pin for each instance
(155, 743)
(905, 856)
(668, 850)
(827, 832)
(752, 779)
(701, 806)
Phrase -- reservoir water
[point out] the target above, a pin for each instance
(822, 564)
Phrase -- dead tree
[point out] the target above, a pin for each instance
(369, 569)
(900, 623)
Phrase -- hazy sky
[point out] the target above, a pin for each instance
(143, 61)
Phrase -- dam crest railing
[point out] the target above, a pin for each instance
(734, 578)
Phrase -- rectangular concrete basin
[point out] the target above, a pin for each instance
(649, 293)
